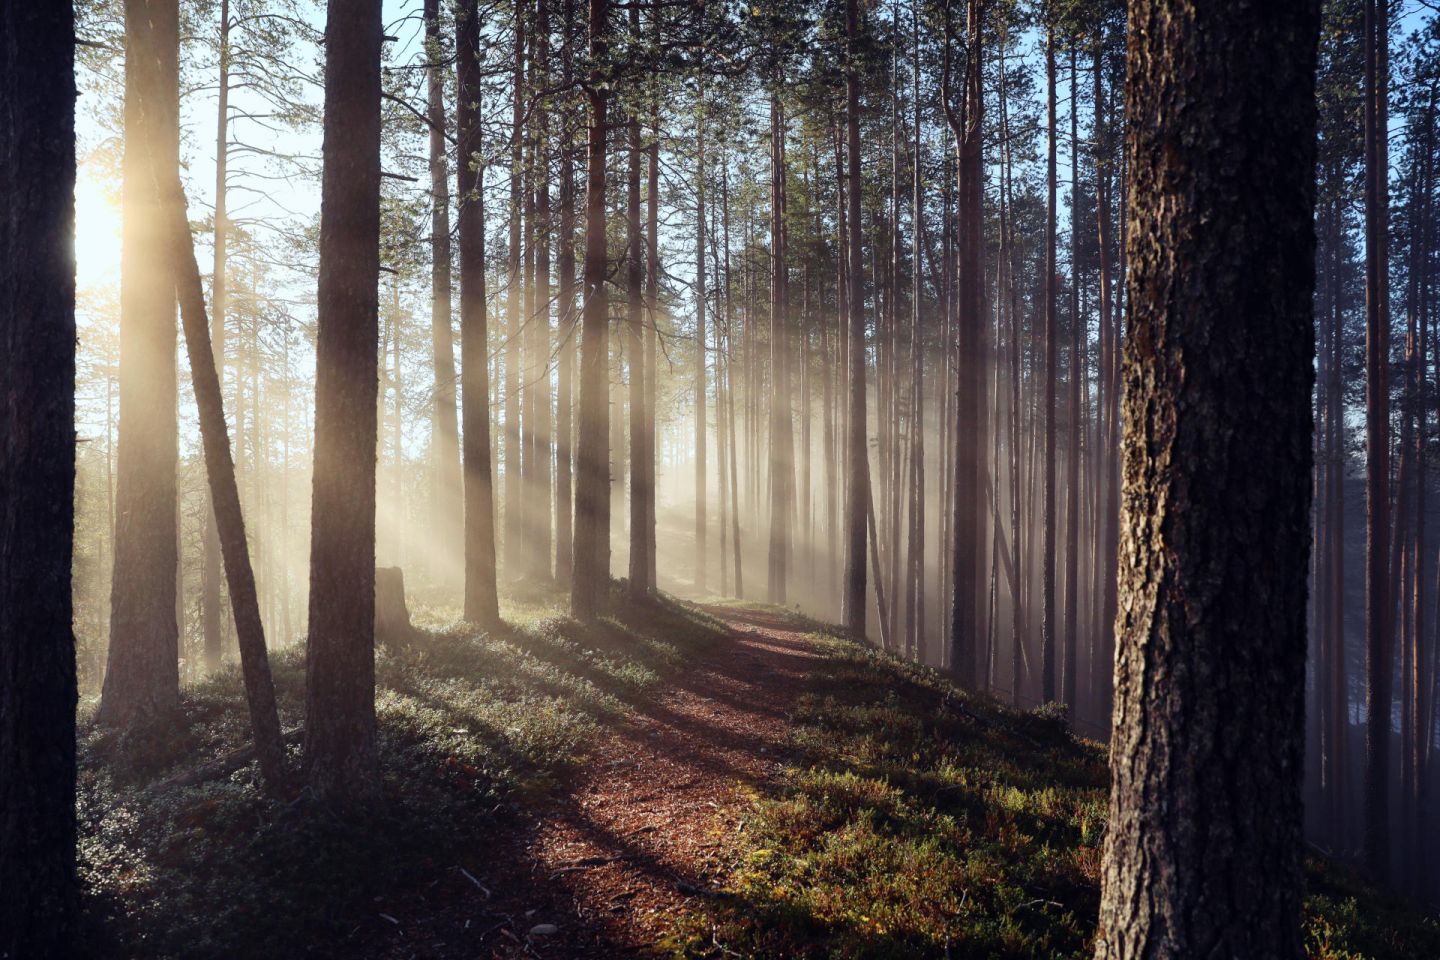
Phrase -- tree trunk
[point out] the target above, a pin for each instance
(1379, 644)
(1072, 452)
(701, 559)
(1052, 352)
(224, 493)
(565, 311)
(1208, 724)
(142, 674)
(341, 762)
(639, 582)
(37, 480)
(782, 452)
(482, 605)
(514, 314)
(210, 571)
(590, 579)
(856, 453)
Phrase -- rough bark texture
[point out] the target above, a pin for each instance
(142, 672)
(1203, 853)
(482, 604)
(782, 414)
(37, 477)
(341, 761)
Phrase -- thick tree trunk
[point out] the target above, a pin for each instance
(341, 762)
(142, 674)
(37, 480)
(482, 604)
(1203, 853)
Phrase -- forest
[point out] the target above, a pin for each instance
(698, 479)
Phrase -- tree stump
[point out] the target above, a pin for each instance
(392, 617)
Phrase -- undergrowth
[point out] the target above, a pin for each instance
(915, 820)
(472, 726)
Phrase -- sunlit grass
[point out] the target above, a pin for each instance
(915, 820)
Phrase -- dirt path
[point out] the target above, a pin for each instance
(601, 870)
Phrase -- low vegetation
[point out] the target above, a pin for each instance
(472, 725)
(915, 820)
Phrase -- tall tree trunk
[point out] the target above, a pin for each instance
(639, 583)
(701, 556)
(1072, 453)
(652, 334)
(565, 311)
(482, 605)
(1379, 644)
(341, 761)
(590, 578)
(1208, 724)
(782, 447)
(446, 483)
(210, 571)
(515, 312)
(964, 608)
(224, 492)
(37, 480)
(1052, 374)
(142, 673)
(857, 455)
(539, 344)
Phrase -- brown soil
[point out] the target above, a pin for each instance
(649, 824)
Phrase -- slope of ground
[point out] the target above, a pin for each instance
(726, 781)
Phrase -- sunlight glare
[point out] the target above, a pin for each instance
(97, 234)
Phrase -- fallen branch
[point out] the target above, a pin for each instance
(219, 767)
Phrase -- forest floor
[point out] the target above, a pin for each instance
(723, 780)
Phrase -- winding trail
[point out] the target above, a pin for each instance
(601, 868)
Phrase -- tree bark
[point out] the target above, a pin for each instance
(1379, 644)
(142, 674)
(39, 904)
(1202, 858)
(856, 453)
(341, 760)
(590, 578)
(446, 481)
(482, 604)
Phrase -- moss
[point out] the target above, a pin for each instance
(918, 820)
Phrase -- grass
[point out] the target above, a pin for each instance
(915, 820)
(472, 726)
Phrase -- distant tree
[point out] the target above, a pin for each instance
(1379, 601)
(37, 480)
(142, 673)
(446, 483)
(1203, 852)
(341, 762)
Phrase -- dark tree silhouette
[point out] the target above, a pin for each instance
(37, 480)
(341, 762)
